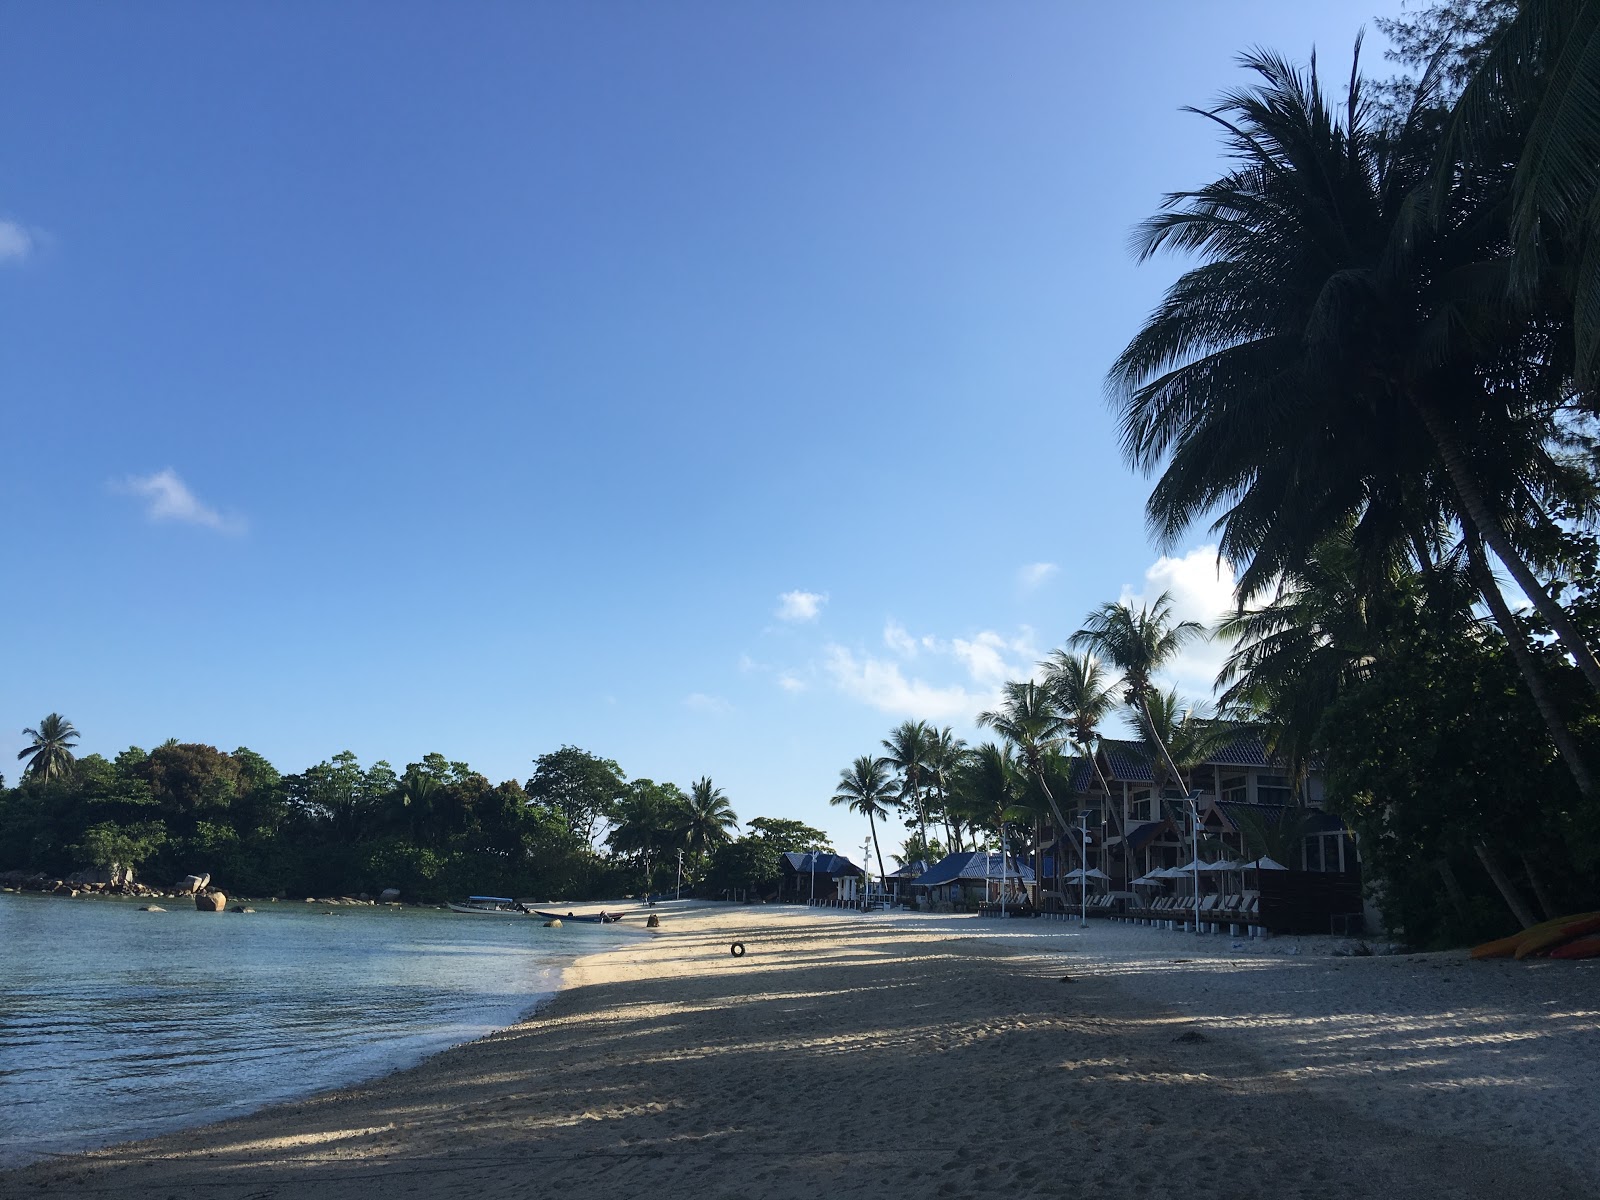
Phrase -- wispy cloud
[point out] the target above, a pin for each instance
(168, 498)
(700, 702)
(981, 664)
(800, 606)
(1032, 575)
(17, 242)
(790, 682)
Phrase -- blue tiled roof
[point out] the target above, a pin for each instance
(1320, 820)
(910, 871)
(973, 865)
(827, 864)
(1126, 760)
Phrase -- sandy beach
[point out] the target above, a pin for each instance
(898, 1055)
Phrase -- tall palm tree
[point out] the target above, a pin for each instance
(417, 793)
(50, 755)
(1345, 355)
(1085, 696)
(1536, 80)
(1178, 737)
(945, 756)
(865, 787)
(988, 789)
(1029, 719)
(710, 817)
(909, 746)
(1139, 642)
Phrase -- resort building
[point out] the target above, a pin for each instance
(1242, 798)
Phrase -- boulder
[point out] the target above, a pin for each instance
(239, 908)
(211, 901)
(390, 895)
(151, 908)
(193, 884)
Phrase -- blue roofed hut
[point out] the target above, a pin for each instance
(968, 878)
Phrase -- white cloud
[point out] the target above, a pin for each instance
(790, 682)
(700, 702)
(800, 606)
(1202, 590)
(984, 662)
(897, 639)
(168, 498)
(881, 684)
(1032, 575)
(16, 242)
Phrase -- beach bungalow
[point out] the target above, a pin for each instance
(899, 882)
(817, 875)
(968, 878)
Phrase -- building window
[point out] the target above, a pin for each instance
(1274, 789)
(1236, 790)
(1141, 806)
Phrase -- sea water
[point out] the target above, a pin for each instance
(118, 1024)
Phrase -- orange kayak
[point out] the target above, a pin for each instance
(1507, 946)
(1542, 940)
(1584, 947)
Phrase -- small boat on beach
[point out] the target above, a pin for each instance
(603, 918)
(489, 906)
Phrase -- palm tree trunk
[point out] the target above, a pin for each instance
(1532, 674)
(1539, 892)
(876, 849)
(1513, 898)
(1477, 510)
(1452, 889)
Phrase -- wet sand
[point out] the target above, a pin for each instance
(900, 1056)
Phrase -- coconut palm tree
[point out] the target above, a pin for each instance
(417, 794)
(945, 756)
(1535, 82)
(1345, 355)
(909, 747)
(1085, 695)
(710, 817)
(1179, 737)
(865, 787)
(988, 789)
(50, 755)
(1139, 642)
(1029, 719)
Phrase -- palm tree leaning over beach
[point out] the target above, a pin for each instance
(909, 746)
(710, 818)
(944, 760)
(865, 787)
(50, 756)
(988, 788)
(1350, 353)
(1139, 643)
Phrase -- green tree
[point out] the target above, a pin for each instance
(788, 836)
(910, 746)
(583, 787)
(1029, 719)
(50, 754)
(865, 787)
(710, 817)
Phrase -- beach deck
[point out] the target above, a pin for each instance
(892, 1055)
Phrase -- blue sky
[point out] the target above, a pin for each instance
(707, 385)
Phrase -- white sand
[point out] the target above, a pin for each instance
(891, 1056)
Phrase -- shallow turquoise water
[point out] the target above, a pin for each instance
(118, 1024)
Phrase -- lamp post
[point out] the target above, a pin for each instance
(1002, 868)
(680, 875)
(866, 871)
(1194, 848)
(813, 875)
(1083, 875)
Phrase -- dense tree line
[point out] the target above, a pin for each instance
(576, 827)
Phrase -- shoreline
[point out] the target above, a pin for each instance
(897, 1055)
(365, 1062)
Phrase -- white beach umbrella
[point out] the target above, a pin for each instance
(1153, 879)
(1198, 864)
(1224, 865)
(1268, 864)
(1095, 873)
(1073, 876)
